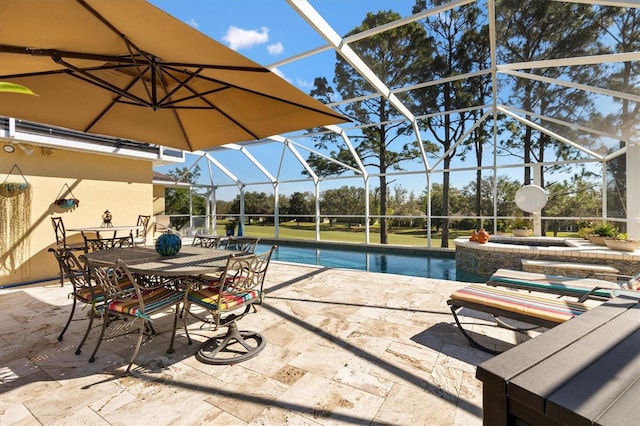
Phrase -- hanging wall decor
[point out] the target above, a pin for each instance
(66, 203)
(15, 220)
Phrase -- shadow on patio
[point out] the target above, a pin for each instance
(343, 347)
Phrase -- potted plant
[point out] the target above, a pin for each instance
(622, 242)
(601, 232)
(585, 228)
(230, 228)
(520, 227)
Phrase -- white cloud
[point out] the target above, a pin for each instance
(280, 74)
(275, 49)
(304, 83)
(245, 39)
(193, 23)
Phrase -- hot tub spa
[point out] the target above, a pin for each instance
(509, 252)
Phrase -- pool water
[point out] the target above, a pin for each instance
(417, 265)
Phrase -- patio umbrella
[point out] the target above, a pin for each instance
(125, 68)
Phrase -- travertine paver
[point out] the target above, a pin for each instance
(343, 347)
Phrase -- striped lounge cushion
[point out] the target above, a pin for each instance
(154, 300)
(546, 308)
(208, 298)
(551, 283)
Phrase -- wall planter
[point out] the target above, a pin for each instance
(67, 203)
(15, 220)
(521, 232)
(622, 245)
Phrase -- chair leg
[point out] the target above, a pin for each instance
(61, 276)
(73, 309)
(86, 333)
(137, 349)
(105, 320)
(175, 326)
(471, 340)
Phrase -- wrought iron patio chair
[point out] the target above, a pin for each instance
(207, 241)
(244, 244)
(140, 238)
(132, 303)
(235, 295)
(83, 290)
(95, 244)
(61, 241)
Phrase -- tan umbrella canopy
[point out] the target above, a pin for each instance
(127, 69)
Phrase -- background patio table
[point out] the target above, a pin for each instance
(99, 229)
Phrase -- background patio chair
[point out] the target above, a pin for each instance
(136, 304)
(61, 241)
(204, 240)
(141, 233)
(238, 291)
(245, 244)
(162, 223)
(95, 244)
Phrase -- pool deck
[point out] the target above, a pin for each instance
(343, 347)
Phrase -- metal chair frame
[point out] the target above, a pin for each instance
(141, 233)
(140, 302)
(244, 244)
(98, 243)
(83, 290)
(241, 287)
(61, 242)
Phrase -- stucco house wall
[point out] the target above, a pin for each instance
(101, 182)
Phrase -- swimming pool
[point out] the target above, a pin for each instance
(429, 265)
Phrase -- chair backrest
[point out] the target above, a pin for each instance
(143, 222)
(163, 223)
(244, 274)
(96, 244)
(207, 241)
(115, 283)
(58, 228)
(74, 270)
(245, 244)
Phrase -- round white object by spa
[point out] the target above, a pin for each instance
(531, 198)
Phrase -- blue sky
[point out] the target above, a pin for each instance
(268, 31)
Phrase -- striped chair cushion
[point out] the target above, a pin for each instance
(208, 298)
(84, 294)
(546, 308)
(154, 300)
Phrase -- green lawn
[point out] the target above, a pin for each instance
(397, 236)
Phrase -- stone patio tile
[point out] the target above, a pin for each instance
(330, 402)
(245, 394)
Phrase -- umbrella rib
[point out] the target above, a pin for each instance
(275, 98)
(90, 78)
(20, 50)
(113, 102)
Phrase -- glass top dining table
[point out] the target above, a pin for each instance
(189, 261)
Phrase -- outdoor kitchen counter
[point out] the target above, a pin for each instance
(583, 372)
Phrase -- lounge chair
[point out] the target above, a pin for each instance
(536, 309)
(582, 288)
